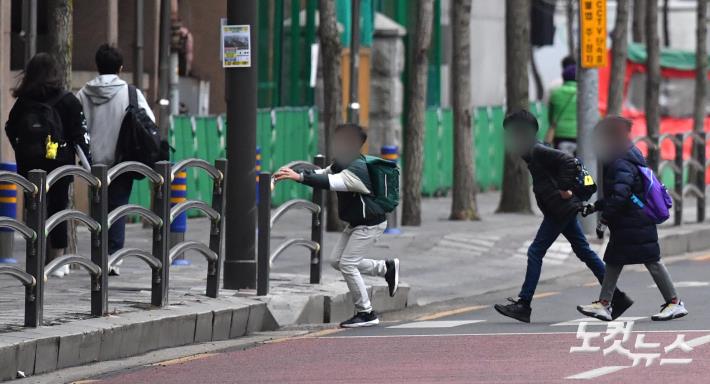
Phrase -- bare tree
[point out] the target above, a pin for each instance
(653, 81)
(463, 204)
(61, 39)
(61, 36)
(638, 27)
(332, 90)
(701, 83)
(665, 26)
(569, 10)
(416, 105)
(515, 196)
(619, 44)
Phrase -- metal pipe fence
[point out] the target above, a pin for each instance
(695, 165)
(37, 226)
(267, 220)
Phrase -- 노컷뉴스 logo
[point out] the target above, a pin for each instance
(618, 339)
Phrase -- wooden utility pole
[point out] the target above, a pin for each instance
(463, 204)
(515, 194)
(416, 107)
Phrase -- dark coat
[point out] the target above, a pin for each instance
(634, 238)
(552, 171)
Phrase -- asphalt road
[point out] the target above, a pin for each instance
(471, 343)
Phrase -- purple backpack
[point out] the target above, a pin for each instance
(656, 202)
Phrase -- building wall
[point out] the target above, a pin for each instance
(203, 20)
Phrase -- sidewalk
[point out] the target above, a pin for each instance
(441, 260)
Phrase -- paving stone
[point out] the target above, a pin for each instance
(203, 327)
(46, 355)
(240, 318)
(8, 361)
(221, 324)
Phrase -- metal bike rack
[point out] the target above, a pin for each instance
(32, 278)
(96, 266)
(212, 253)
(266, 221)
(153, 217)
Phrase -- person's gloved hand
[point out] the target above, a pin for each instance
(587, 209)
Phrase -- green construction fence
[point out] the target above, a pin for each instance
(487, 127)
(283, 135)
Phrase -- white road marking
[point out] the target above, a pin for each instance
(435, 324)
(686, 284)
(593, 321)
(698, 341)
(597, 372)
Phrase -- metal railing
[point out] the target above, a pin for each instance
(37, 226)
(267, 220)
(696, 166)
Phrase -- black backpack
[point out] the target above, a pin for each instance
(40, 132)
(139, 138)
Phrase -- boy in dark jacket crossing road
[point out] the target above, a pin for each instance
(633, 235)
(553, 176)
(350, 178)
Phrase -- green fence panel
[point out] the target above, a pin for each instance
(184, 141)
(293, 139)
(484, 152)
(208, 139)
(430, 166)
(446, 144)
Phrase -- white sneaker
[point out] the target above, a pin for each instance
(61, 272)
(670, 311)
(596, 310)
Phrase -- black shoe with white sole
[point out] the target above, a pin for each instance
(392, 275)
(361, 319)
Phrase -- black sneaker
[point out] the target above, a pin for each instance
(517, 309)
(392, 275)
(620, 302)
(361, 319)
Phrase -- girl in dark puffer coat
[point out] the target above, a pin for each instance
(633, 236)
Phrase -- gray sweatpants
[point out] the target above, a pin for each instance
(658, 272)
(348, 257)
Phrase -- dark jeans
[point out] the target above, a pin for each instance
(549, 231)
(118, 194)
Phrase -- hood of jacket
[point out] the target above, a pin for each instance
(103, 88)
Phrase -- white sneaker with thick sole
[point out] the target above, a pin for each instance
(61, 272)
(670, 311)
(596, 310)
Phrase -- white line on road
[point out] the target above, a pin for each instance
(436, 324)
(592, 321)
(597, 372)
(686, 284)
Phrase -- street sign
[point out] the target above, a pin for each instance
(592, 17)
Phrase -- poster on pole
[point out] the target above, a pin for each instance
(592, 23)
(236, 46)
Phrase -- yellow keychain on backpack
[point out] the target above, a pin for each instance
(51, 148)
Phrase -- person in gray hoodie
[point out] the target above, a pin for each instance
(105, 99)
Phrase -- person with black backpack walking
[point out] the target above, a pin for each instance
(560, 184)
(45, 126)
(106, 100)
(368, 188)
(634, 202)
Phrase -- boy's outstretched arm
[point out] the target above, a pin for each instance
(343, 181)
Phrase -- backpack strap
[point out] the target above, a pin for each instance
(132, 96)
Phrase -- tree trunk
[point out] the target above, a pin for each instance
(653, 81)
(61, 39)
(332, 95)
(463, 204)
(701, 68)
(61, 36)
(638, 34)
(414, 134)
(515, 196)
(569, 9)
(666, 30)
(699, 104)
(619, 44)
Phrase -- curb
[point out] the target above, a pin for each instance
(45, 349)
